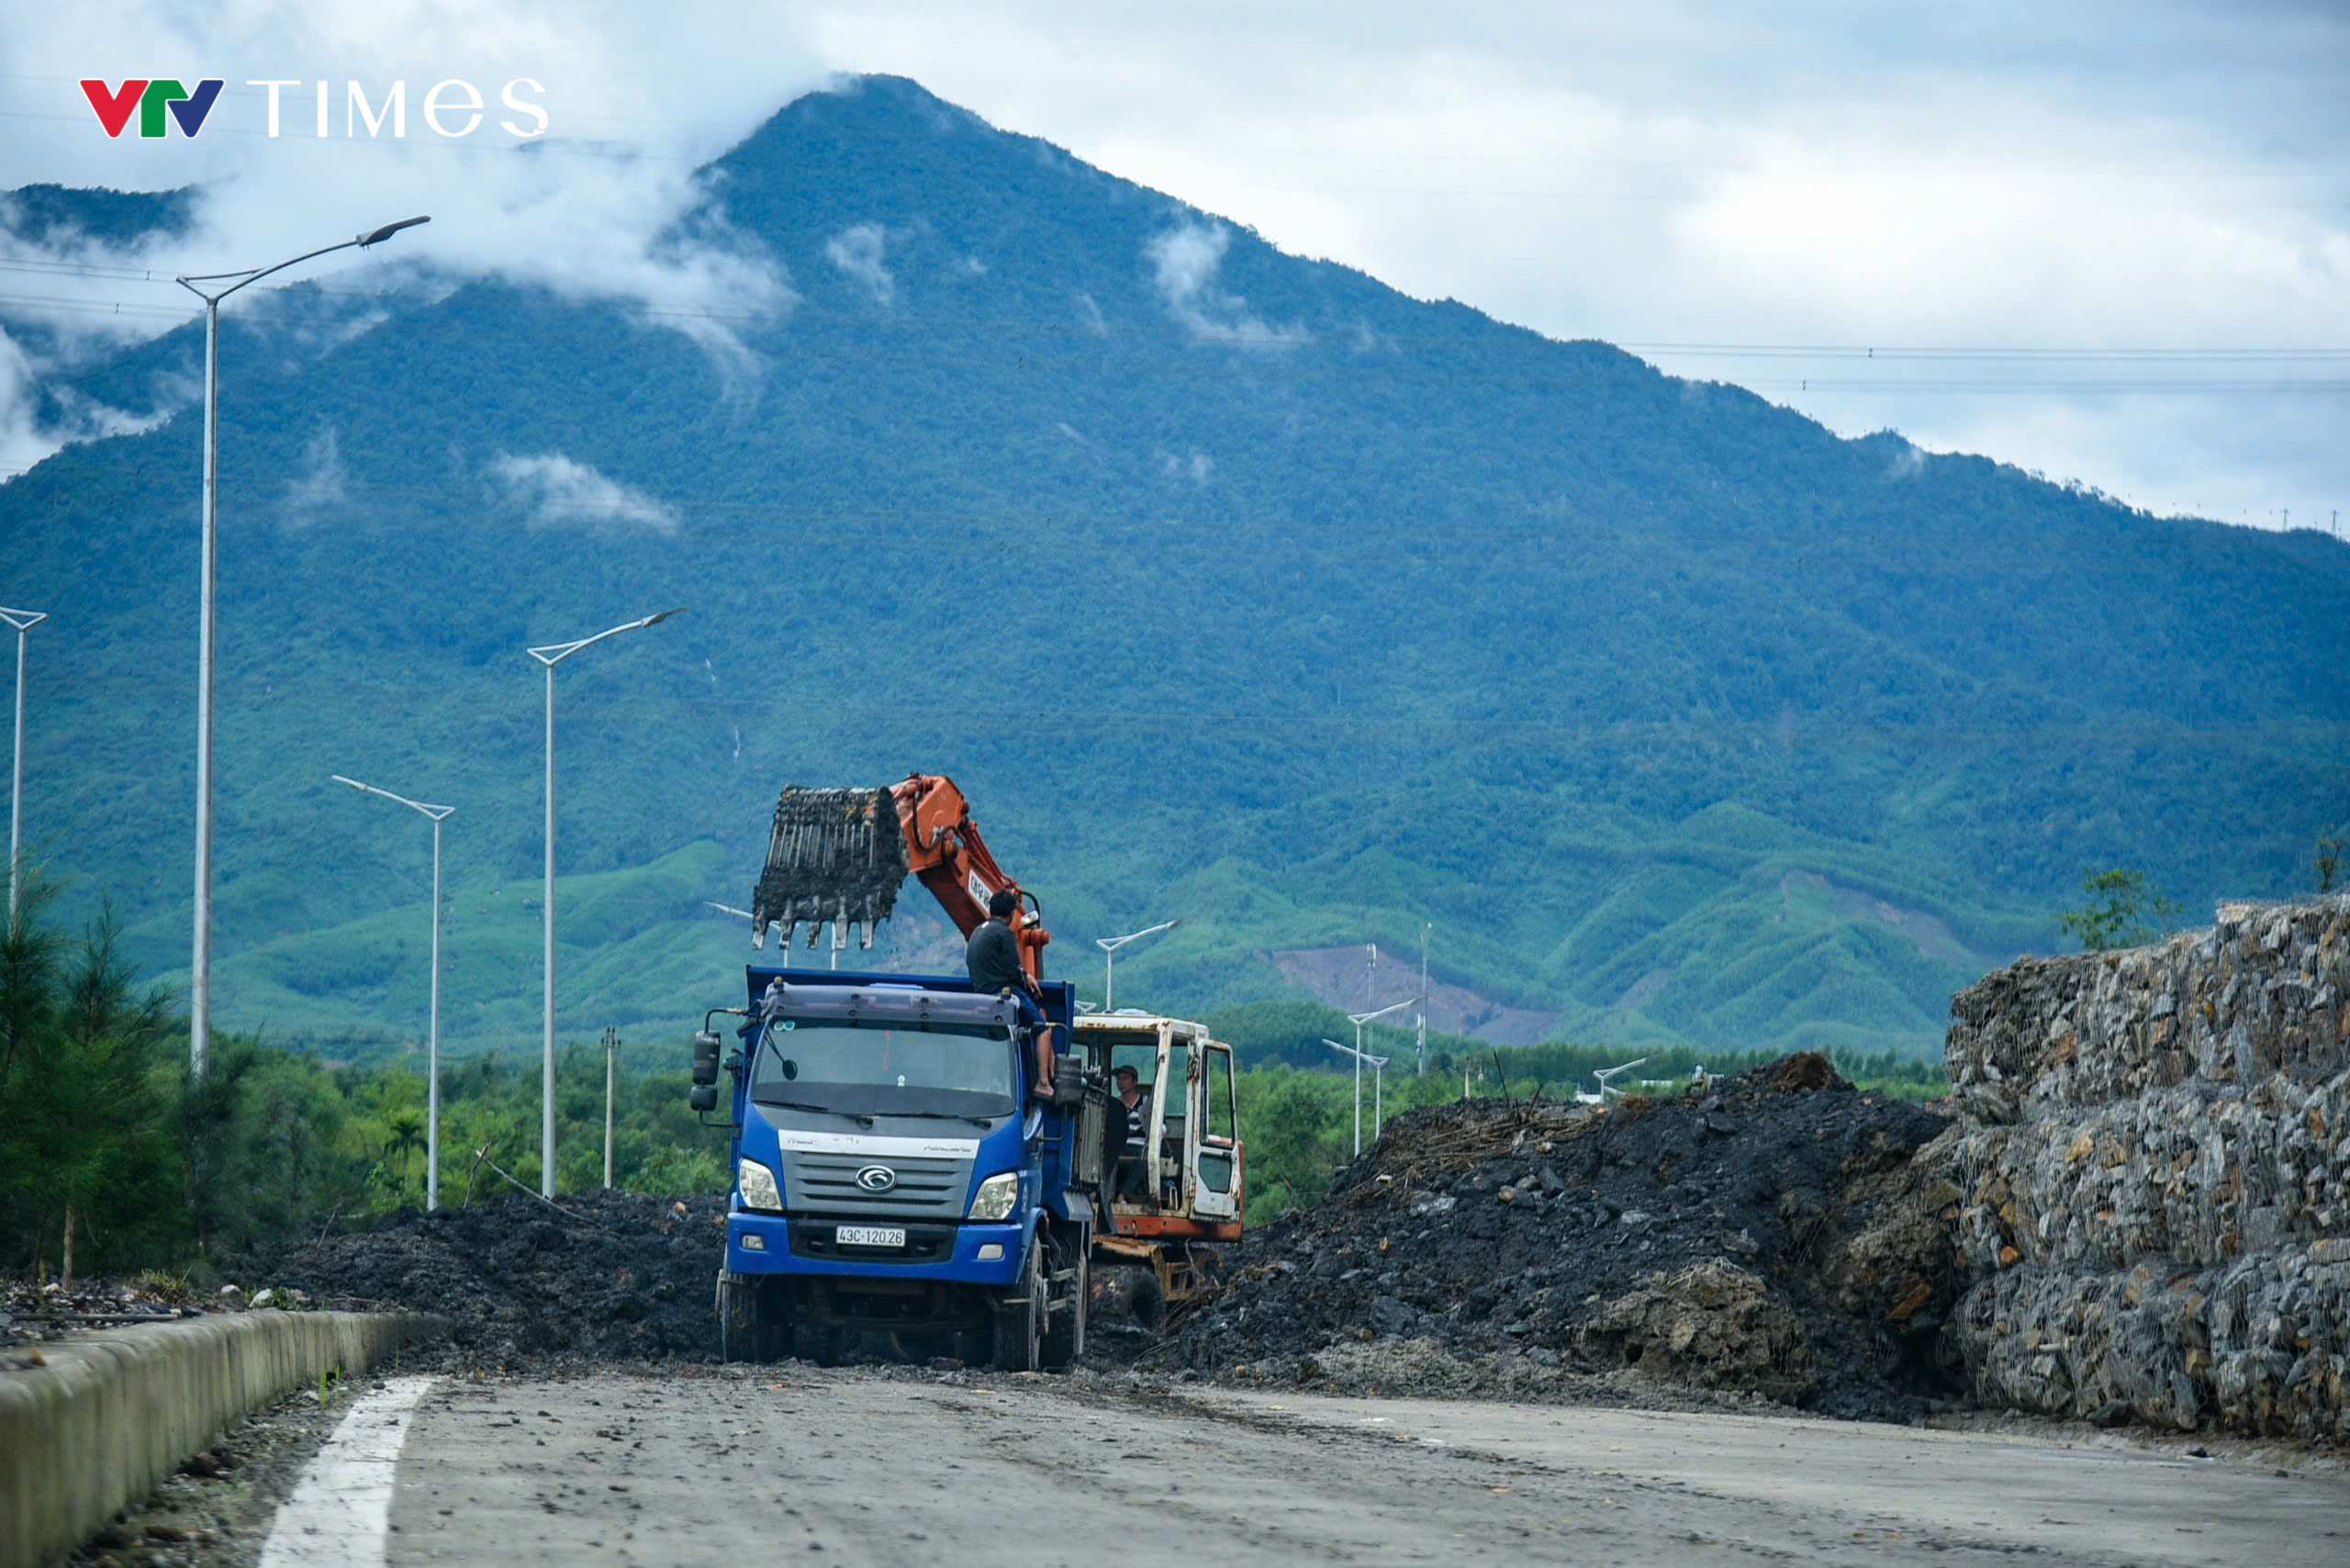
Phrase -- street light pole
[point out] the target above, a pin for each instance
(24, 620)
(551, 655)
(1421, 1069)
(1359, 1020)
(433, 1045)
(200, 976)
(1110, 945)
(612, 1052)
(1378, 1084)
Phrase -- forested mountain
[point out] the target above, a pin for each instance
(1230, 585)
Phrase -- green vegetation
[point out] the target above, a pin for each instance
(2123, 911)
(1293, 606)
(112, 1161)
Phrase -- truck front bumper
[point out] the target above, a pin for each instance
(788, 1244)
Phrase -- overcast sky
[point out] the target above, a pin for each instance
(2107, 241)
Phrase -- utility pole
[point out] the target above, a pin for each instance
(612, 1052)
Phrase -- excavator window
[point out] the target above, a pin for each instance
(1217, 1136)
(1219, 1099)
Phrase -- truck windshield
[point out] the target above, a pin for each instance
(886, 1069)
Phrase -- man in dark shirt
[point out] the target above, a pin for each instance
(993, 957)
(1130, 1180)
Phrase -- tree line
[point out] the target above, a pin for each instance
(114, 1157)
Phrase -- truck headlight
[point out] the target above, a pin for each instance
(757, 1185)
(996, 1195)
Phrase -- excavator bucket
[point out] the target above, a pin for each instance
(837, 856)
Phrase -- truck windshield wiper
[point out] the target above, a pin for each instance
(863, 1116)
(943, 1117)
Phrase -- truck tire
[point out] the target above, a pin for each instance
(1065, 1327)
(751, 1323)
(1130, 1292)
(1020, 1320)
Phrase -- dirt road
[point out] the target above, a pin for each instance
(861, 1467)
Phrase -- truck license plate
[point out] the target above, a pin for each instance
(870, 1236)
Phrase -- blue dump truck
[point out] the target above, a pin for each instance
(896, 1175)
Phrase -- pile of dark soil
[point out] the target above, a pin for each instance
(32, 1311)
(607, 1275)
(1775, 1234)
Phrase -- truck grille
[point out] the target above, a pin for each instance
(826, 1183)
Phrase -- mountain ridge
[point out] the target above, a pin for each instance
(1219, 576)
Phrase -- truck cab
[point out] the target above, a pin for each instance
(896, 1173)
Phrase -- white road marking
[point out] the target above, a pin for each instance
(337, 1516)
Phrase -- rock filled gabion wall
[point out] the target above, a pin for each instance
(2155, 1173)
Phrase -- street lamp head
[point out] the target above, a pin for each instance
(664, 615)
(1112, 944)
(377, 236)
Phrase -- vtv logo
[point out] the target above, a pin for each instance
(150, 98)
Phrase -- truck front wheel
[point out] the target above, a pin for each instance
(752, 1322)
(1020, 1319)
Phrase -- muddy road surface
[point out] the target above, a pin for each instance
(871, 1466)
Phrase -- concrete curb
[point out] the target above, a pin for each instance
(113, 1414)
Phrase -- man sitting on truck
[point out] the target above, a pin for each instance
(1131, 1179)
(993, 956)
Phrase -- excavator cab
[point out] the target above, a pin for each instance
(1165, 1236)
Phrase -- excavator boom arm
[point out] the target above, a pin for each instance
(833, 858)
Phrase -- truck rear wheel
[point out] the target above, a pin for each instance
(1130, 1292)
(1065, 1330)
(1020, 1322)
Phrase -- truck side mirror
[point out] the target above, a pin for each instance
(702, 1097)
(705, 1058)
(1069, 1082)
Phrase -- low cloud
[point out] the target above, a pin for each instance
(321, 486)
(857, 251)
(1185, 261)
(561, 492)
(36, 421)
(1198, 469)
(605, 206)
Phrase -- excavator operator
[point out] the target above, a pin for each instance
(993, 956)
